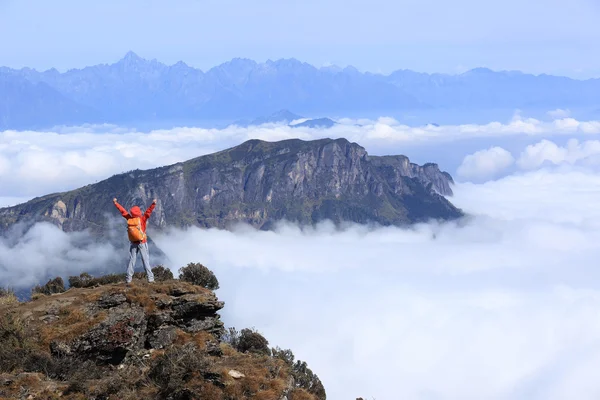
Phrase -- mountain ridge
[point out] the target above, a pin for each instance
(132, 57)
(134, 89)
(102, 339)
(259, 183)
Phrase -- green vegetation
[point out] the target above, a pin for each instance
(86, 280)
(198, 274)
(56, 285)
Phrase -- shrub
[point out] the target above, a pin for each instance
(7, 296)
(85, 280)
(56, 285)
(178, 365)
(161, 273)
(80, 281)
(198, 274)
(286, 355)
(304, 378)
(231, 337)
(13, 341)
(252, 341)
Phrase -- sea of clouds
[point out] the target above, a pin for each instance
(502, 305)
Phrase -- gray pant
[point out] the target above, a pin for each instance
(142, 248)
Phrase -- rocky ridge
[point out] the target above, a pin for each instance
(259, 183)
(161, 341)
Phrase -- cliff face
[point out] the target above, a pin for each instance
(259, 183)
(148, 341)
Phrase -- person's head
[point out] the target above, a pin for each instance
(135, 211)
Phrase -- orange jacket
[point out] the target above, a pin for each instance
(135, 212)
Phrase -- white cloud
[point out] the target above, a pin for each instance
(35, 163)
(30, 256)
(502, 306)
(546, 151)
(485, 163)
(559, 113)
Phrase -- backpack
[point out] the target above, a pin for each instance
(134, 230)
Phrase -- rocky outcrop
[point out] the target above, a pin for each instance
(260, 183)
(130, 320)
(146, 341)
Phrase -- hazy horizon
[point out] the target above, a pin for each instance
(264, 61)
(378, 36)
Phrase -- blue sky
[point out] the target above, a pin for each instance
(536, 36)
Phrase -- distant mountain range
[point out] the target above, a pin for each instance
(136, 89)
(289, 118)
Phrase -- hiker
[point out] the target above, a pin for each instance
(136, 230)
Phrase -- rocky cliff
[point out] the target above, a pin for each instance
(147, 341)
(260, 183)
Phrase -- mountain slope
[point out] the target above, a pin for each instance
(159, 341)
(259, 183)
(27, 105)
(281, 116)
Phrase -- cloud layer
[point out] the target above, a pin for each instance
(485, 163)
(490, 163)
(36, 163)
(502, 305)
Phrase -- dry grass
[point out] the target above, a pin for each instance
(139, 295)
(8, 297)
(200, 339)
(37, 296)
(75, 324)
(300, 394)
(192, 372)
(265, 377)
(170, 287)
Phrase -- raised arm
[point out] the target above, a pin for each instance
(123, 211)
(150, 209)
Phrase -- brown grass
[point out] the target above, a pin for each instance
(139, 295)
(265, 377)
(168, 287)
(300, 394)
(37, 296)
(8, 298)
(76, 324)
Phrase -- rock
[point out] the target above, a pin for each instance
(48, 319)
(127, 329)
(180, 291)
(260, 183)
(60, 349)
(110, 341)
(162, 337)
(159, 319)
(209, 324)
(164, 303)
(236, 374)
(195, 306)
(215, 378)
(213, 349)
(110, 300)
